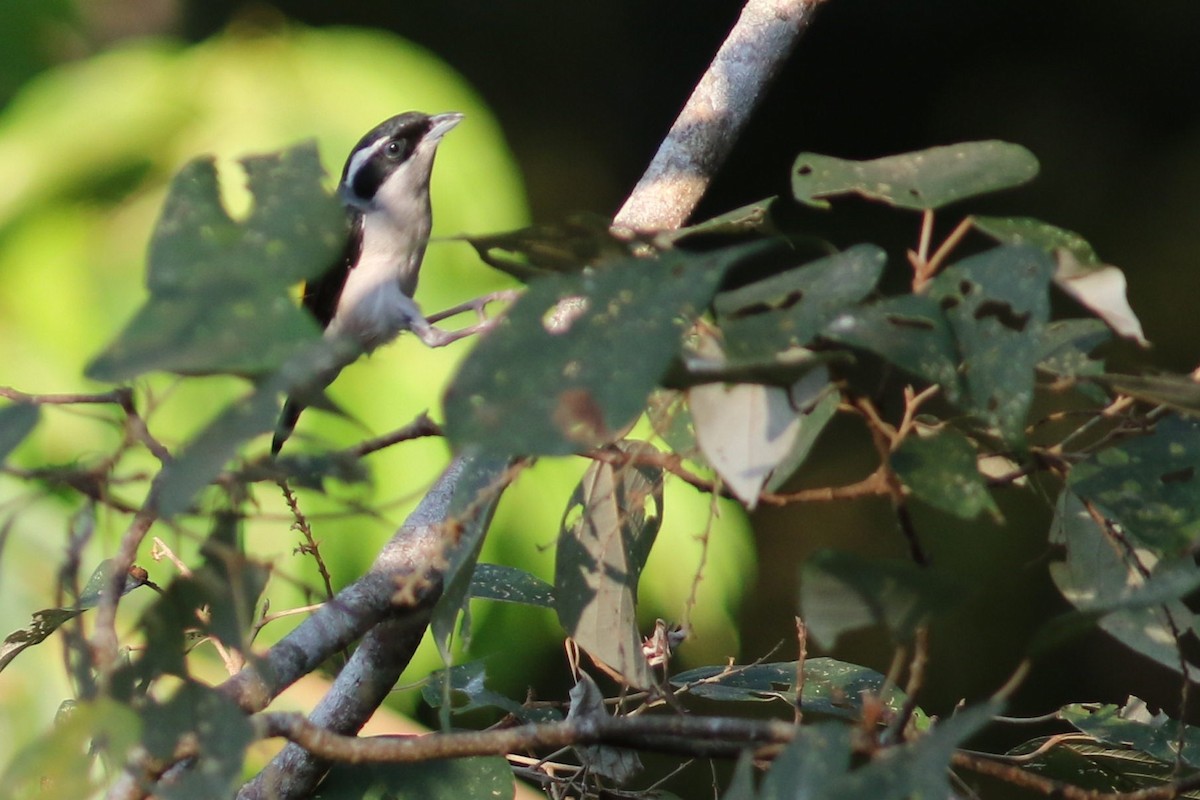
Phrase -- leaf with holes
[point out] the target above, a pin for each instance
(537, 386)
(610, 525)
(910, 332)
(219, 287)
(1110, 588)
(1150, 485)
(940, 469)
(1098, 286)
(926, 179)
(790, 309)
(1132, 725)
(997, 304)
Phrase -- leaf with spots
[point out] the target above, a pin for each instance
(940, 469)
(218, 286)
(910, 332)
(1150, 485)
(789, 309)
(924, 180)
(997, 304)
(574, 359)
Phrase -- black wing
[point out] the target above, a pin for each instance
(321, 295)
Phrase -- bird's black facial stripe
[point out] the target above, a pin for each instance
(381, 152)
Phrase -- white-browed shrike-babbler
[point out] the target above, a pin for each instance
(367, 295)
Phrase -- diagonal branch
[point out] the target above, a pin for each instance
(715, 115)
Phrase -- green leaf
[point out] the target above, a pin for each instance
(510, 585)
(477, 490)
(1135, 727)
(608, 529)
(314, 364)
(219, 287)
(840, 592)
(941, 470)
(215, 725)
(910, 332)
(16, 422)
(926, 179)
(755, 217)
(790, 309)
(997, 304)
(831, 687)
(810, 765)
(1098, 286)
(1108, 588)
(549, 249)
(1025, 230)
(1149, 484)
(469, 681)
(483, 777)
(1066, 345)
(527, 390)
(1180, 392)
(741, 786)
(1097, 768)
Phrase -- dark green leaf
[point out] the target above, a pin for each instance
(1097, 768)
(841, 592)
(1135, 727)
(790, 309)
(510, 585)
(218, 287)
(831, 687)
(910, 332)
(741, 786)
(747, 219)
(218, 728)
(940, 469)
(477, 490)
(926, 179)
(1108, 588)
(48, 620)
(1025, 230)
(314, 364)
(997, 304)
(608, 529)
(1066, 345)
(1149, 484)
(469, 681)
(16, 422)
(540, 250)
(484, 777)
(526, 390)
(811, 764)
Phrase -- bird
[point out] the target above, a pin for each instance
(366, 296)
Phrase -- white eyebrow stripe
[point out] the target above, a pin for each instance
(361, 157)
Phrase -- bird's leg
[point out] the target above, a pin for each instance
(431, 336)
(478, 305)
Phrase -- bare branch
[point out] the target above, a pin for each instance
(720, 106)
(716, 737)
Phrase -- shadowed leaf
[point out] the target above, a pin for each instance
(449, 779)
(940, 469)
(611, 523)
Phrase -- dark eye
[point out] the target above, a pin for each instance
(396, 149)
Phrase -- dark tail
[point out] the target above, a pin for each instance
(286, 424)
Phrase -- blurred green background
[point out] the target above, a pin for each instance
(566, 102)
